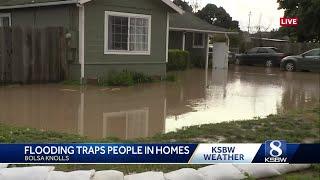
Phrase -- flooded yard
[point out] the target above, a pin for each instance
(141, 111)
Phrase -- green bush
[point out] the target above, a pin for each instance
(141, 78)
(123, 78)
(178, 60)
(128, 78)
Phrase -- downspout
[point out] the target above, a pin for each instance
(212, 57)
(81, 41)
(207, 53)
(207, 60)
(228, 39)
(184, 41)
(167, 36)
(228, 45)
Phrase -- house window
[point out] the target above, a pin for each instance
(127, 33)
(5, 20)
(198, 40)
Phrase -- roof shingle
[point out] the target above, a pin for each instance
(190, 21)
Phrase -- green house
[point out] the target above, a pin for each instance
(189, 32)
(112, 35)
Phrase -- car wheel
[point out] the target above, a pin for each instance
(290, 66)
(269, 63)
(237, 61)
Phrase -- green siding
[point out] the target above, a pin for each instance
(94, 37)
(96, 62)
(63, 16)
(175, 39)
(175, 42)
(196, 53)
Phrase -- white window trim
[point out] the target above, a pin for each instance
(8, 15)
(203, 41)
(125, 52)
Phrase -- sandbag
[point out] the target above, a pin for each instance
(108, 175)
(184, 174)
(299, 167)
(3, 165)
(258, 170)
(74, 175)
(286, 168)
(146, 176)
(26, 173)
(221, 172)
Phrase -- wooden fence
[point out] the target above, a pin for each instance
(32, 55)
(287, 47)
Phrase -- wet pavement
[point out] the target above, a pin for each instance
(141, 111)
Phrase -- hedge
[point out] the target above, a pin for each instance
(178, 60)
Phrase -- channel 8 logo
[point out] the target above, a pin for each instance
(276, 151)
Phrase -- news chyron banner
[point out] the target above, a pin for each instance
(269, 152)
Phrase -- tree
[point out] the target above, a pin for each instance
(218, 16)
(308, 12)
(195, 5)
(184, 5)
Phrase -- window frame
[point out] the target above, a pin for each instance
(8, 15)
(203, 40)
(255, 52)
(263, 51)
(127, 15)
(316, 50)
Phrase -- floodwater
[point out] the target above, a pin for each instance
(141, 111)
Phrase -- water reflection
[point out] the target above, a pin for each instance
(95, 112)
(142, 111)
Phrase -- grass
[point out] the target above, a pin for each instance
(295, 127)
(298, 126)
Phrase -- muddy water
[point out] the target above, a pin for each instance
(141, 111)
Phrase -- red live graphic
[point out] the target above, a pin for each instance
(288, 22)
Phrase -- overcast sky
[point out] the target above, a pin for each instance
(239, 10)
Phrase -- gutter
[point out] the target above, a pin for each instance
(200, 30)
(40, 4)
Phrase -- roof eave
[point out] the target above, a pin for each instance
(173, 6)
(167, 2)
(201, 30)
(39, 4)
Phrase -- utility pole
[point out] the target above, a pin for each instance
(195, 5)
(249, 22)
